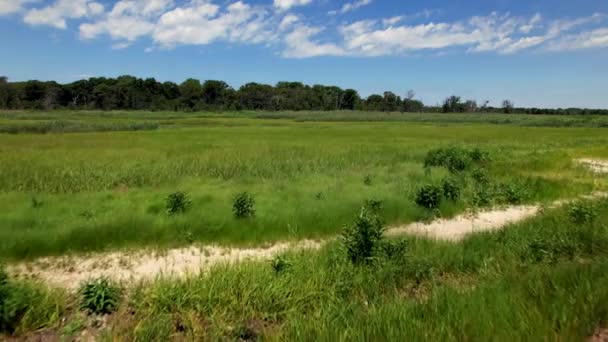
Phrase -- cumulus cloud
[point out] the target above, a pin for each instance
(202, 23)
(55, 15)
(171, 23)
(128, 20)
(300, 43)
(284, 5)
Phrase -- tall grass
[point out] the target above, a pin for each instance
(494, 285)
(97, 191)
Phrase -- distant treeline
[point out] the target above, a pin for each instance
(131, 93)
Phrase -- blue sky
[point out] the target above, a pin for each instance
(545, 53)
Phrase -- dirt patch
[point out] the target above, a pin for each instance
(457, 228)
(69, 272)
(600, 335)
(595, 165)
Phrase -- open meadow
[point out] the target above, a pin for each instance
(75, 184)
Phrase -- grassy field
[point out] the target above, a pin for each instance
(538, 280)
(78, 192)
(75, 182)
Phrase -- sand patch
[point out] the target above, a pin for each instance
(595, 165)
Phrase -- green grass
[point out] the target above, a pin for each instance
(537, 280)
(79, 192)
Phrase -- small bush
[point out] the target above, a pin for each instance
(280, 264)
(243, 206)
(420, 270)
(367, 180)
(362, 237)
(452, 158)
(451, 189)
(480, 176)
(582, 212)
(429, 197)
(36, 203)
(483, 197)
(177, 203)
(394, 250)
(99, 296)
(320, 196)
(512, 193)
(375, 206)
(479, 156)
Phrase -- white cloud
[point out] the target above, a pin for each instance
(585, 40)
(13, 6)
(55, 15)
(202, 23)
(287, 22)
(284, 5)
(300, 44)
(351, 6)
(171, 23)
(128, 20)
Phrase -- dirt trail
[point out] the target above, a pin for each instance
(69, 271)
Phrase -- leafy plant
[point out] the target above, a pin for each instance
(177, 203)
(451, 189)
(367, 180)
(280, 264)
(483, 196)
(362, 237)
(243, 206)
(582, 212)
(512, 193)
(480, 176)
(320, 196)
(429, 197)
(36, 203)
(453, 158)
(99, 296)
(395, 250)
(375, 206)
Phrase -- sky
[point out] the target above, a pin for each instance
(537, 53)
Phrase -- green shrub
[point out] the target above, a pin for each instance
(36, 203)
(367, 180)
(177, 203)
(420, 270)
(243, 206)
(320, 196)
(394, 250)
(100, 296)
(361, 239)
(512, 193)
(280, 264)
(479, 156)
(483, 196)
(582, 212)
(480, 176)
(455, 159)
(375, 206)
(429, 197)
(451, 189)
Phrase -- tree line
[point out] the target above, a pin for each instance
(132, 93)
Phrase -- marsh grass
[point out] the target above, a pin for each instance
(490, 285)
(308, 177)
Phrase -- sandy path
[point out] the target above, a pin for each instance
(69, 271)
